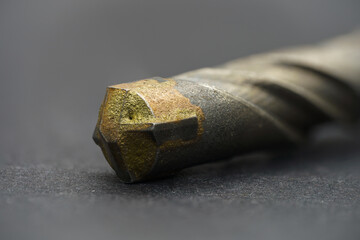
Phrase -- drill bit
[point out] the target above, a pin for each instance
(154, 127)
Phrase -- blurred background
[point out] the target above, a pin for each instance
(56, 59)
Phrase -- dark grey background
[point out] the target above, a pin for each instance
(57, 57)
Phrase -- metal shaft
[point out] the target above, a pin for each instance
(154, 127)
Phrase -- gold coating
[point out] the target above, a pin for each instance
(130, 107)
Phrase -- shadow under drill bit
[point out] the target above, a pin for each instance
(330, 160)
(332, 151)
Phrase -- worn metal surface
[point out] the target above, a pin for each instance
(154, 127)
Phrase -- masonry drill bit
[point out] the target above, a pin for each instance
(157, 126)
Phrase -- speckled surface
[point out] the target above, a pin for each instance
(312, 193)
(56, 59)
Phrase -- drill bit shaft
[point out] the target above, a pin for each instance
(157, 126)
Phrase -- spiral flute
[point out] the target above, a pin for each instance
(157, 126)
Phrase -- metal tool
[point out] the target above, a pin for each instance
(157, 126)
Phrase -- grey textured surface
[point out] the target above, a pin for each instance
(57, 57)
(312, 193)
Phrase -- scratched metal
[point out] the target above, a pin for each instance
(262, 102)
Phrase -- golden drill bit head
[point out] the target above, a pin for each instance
(139, 119)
